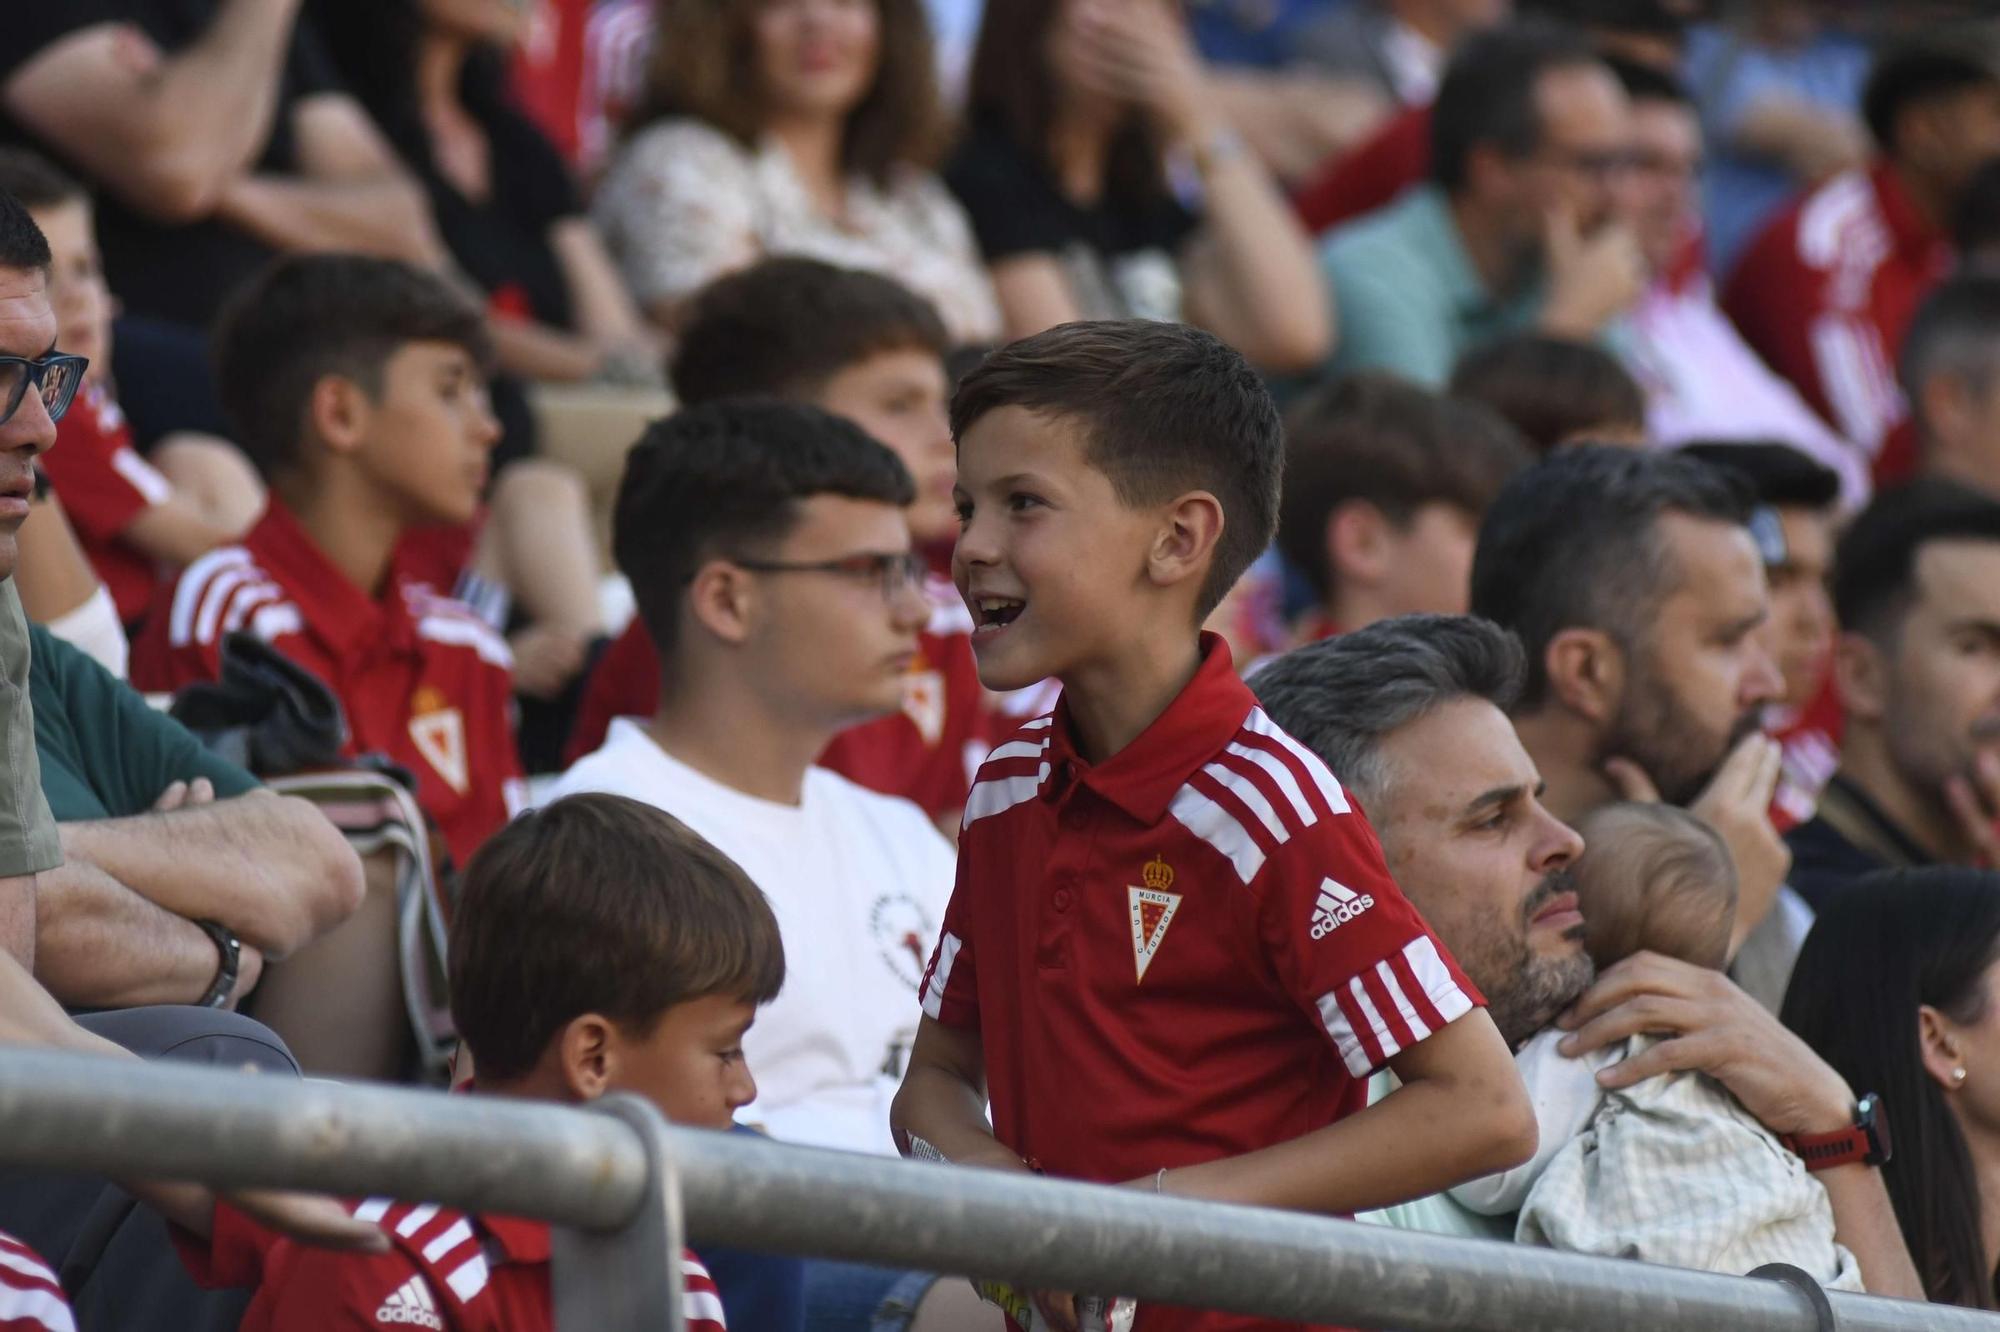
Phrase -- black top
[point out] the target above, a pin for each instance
(502, 241)
(1017, 208)
(1850, 836)
(170, 271)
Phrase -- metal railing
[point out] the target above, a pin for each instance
(616, 1179)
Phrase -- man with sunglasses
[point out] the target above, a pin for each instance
(1515, 228)
(37, 384)
(773, 568)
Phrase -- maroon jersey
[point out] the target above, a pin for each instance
(1187, 952)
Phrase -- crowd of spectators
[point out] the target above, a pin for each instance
(1364, 606)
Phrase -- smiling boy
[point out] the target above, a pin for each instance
(1174, 955)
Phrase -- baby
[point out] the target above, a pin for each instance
(1672, 1170)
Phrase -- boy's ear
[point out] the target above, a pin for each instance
(1185, 543)
(338, 412)
(722, 598)
(1586, 673)
(1357, 546)
(587, 1052)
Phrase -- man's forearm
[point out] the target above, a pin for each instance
(17, 919)
(1864, 1219)
(258, 864)
(217, 96)
(99, 944)
(385, 216)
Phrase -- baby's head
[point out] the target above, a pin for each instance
(1653, 877)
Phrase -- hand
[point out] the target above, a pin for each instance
(546, 659)
(1058, 1309)
(1737, 804)
(1973, 798)
(1592, 279)
(1710, 1027)
(311, 1219)
(185, 795)
(1139, 52)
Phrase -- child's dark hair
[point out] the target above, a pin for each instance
(1164, 409)
(36, 182)
(1552, 389)
(309, 316)
(22, 244)
(786, 326)
(727, 477)
(599, 904)
(1383, 441)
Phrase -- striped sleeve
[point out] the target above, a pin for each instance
(701, 1302)
(31, 1300)
(950, 991)
(1342, 937)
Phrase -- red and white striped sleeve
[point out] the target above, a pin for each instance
(701, 1302)
(31, 1299)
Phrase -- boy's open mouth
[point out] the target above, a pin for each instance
(998, 612)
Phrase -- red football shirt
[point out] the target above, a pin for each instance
(104, 484)
(924, 753)
(445, 1270)
(422, 678)
(31, 1300)
(1809, 739)
(1187, 952)
(1825, 295)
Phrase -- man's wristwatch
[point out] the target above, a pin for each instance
(229, 951)
(1865, 1142)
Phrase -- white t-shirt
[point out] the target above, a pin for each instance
(859, 883)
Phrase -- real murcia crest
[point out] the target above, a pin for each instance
(438, 731)
(1153, 909)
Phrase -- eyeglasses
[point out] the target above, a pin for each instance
(55, 377)
(892, 573)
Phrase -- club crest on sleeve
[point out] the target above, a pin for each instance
(1153, 909)
(438, 731)
(1337, 905)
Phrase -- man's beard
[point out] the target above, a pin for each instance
(1533, 988)
(1655, 732)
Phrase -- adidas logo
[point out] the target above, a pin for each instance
(411, 1305)
(1337, 905)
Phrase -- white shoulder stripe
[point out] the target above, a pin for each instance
(1419, 1030)
(1446, 997)
(372, 1209)
(1019, 749)
(194, 579)
(1246, 790)
(1042, 722)
(1001, 794)
(1219, 828)
(1344, 1039)
(45, 1309)
(469, 1279)
(933, 1000)
(276, 620)
(1329, 788)
(1282, 775)
(416, 1220)
(701, 1306)
(467, 631)
(456, 1234)
(26, 1266)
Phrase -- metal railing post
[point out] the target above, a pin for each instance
(629, 1277)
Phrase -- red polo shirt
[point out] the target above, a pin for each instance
(31, 1299)
(1187, 952)
(1825, 295)
(422, 678)
(919, 753)
(444, 1270)
(104, 484)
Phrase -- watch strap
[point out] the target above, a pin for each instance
(1864, 1142)
(229, 962)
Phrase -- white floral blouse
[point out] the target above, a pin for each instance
(684, 203)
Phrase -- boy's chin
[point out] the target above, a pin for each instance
(1003, 670)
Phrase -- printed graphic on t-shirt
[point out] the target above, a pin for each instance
(903, 932)
(410, 1305)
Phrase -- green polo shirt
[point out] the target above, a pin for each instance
(1407, 297)
(29, 843)
(105, 752)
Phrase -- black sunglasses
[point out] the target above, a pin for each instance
(55, 377)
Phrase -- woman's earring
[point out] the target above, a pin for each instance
(1957, 1076)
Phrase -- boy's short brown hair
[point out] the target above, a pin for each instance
(1164, 409)
(599, 904)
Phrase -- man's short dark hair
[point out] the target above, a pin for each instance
(36, 182)
(786, 326)
(309, 316)
(1956, 332)
(1634, 18)
(1875, 563)
(1779, 475)
(22, 244)
(1551, 389)
(727, 478)
(1489, 93)
(1164, 408)
(1341, 696)
(1573, 543)
(1648, 83)
(1976, 228)
(1378, 439)
(599, 904)
(1916, 72)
